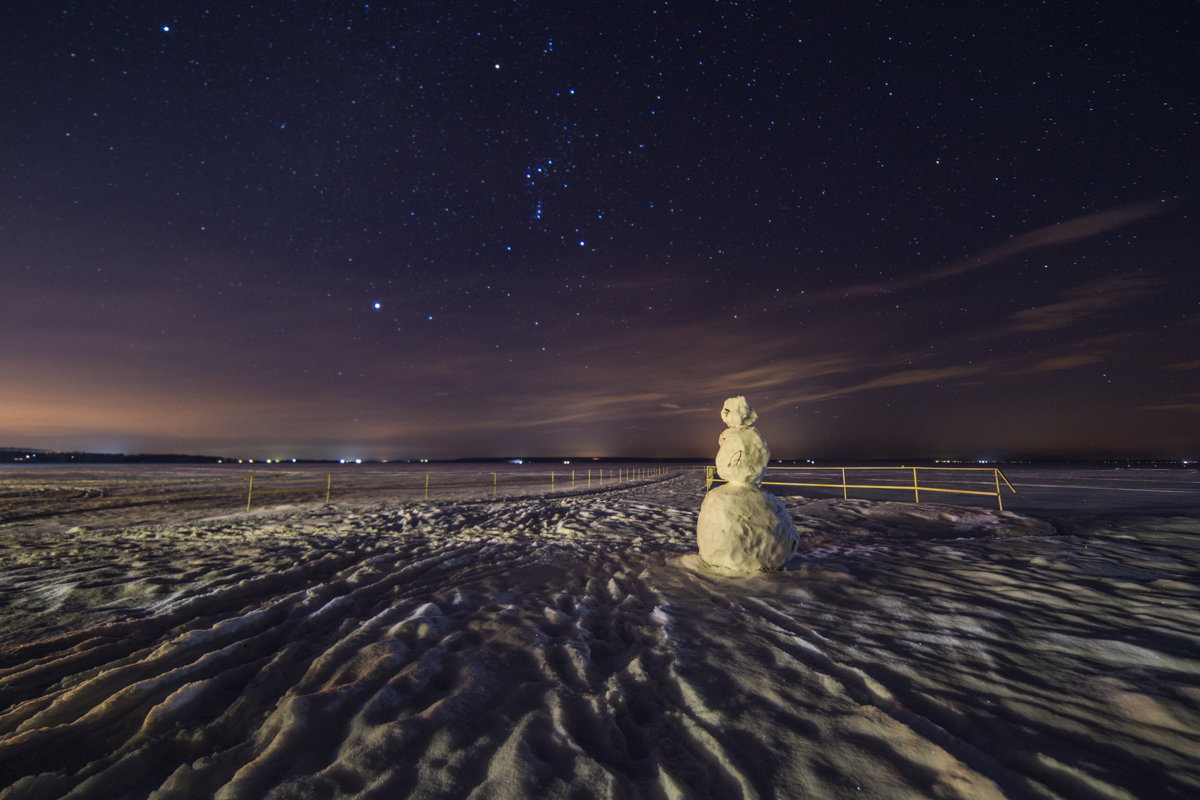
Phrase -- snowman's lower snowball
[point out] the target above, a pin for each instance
(744, 530)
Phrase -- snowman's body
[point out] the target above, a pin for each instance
(741, 528)
(742, 455)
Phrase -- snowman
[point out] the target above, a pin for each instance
(742, 529)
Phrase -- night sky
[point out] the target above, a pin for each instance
(446, 229)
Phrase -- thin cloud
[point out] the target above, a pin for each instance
(557, 411)
(909, 377)
(1192, 407)
(915, 376)
(1083, 301)
(1059, 233)
(787, 373)
(1063, 362)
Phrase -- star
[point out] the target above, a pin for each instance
(720, 184)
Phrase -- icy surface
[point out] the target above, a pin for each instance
(560, 646)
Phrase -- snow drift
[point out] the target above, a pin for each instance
(567, 646)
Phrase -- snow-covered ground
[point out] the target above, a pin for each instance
(569, 645)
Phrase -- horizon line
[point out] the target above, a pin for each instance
(32, 455)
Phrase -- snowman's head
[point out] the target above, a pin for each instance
(737, 413)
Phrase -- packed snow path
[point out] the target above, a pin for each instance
(567, 646)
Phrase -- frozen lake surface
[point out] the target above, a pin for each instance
(1104, 490)
(159, 640)
(1044, 490)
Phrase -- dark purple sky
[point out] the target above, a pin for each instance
(446, 229)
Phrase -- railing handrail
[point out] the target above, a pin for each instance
(914, 487)
(946, 469)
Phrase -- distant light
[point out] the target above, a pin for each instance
(516, 461)
(358, 461)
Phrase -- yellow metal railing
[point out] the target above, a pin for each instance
(915, 487)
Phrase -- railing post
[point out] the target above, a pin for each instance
(996, 475)
(328, 487)
(493, 484)
(844, 483)
(250, 493)
(552, 480)
(426, 485)
(916, 491)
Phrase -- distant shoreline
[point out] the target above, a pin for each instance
(17, 456)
